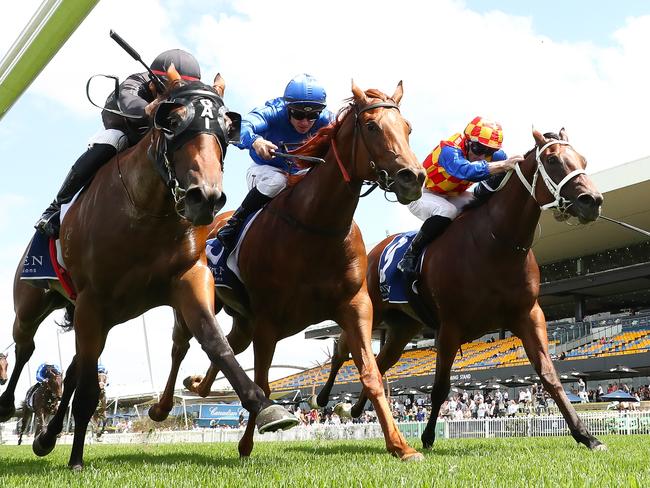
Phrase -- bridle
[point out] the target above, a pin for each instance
(560, 203)
(384, 180)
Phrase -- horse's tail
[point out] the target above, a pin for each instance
(68, 318)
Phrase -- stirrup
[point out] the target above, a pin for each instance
(49, 225)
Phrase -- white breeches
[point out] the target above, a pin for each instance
(268, 179)
(431, 204)
(114, 137)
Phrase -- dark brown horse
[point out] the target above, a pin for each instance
(481, 275)
(4, 365)
(134, 240)
(41, 401)
(303, 258)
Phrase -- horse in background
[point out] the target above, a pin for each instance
(481, 275)
(4, 366)
(41, 401)
(323, 275)
(135, 239)
(99, 418)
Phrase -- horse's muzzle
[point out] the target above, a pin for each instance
(407, 185)
(3, 381)
(202, 204)
(587, 207)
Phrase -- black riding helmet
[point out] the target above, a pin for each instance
(186, 64)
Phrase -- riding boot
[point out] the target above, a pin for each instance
(431, 228)
(79, 175)
(254, 201)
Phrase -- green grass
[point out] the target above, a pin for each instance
(494, 463)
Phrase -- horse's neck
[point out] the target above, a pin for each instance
(513, 213)
(143, 185)
(323, 198)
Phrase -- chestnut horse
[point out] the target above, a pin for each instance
(41, 400)
(481, 275)
(134, 240)
(303, 259)
(4, 365)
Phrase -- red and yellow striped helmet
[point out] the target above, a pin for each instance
(485, 132)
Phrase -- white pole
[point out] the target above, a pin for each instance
(146, 347)
(58, 344)
(187, 427)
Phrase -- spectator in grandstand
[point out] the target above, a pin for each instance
(512, 408)
(481, 409)
(599, 392)
(421, 414)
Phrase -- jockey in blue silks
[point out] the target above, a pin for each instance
(285, 121)
(42, 371)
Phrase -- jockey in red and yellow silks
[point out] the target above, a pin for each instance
(452, 167)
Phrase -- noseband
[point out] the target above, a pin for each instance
(561, 203)
(384, 180)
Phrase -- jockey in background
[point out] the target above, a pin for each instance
(137, 97)
(287, 120)
(452, 167)
(41, 371)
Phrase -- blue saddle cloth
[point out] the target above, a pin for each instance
(37, 264)
(223, 275)
(392, 285)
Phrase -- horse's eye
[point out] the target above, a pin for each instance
(553, 160)
(372, 126)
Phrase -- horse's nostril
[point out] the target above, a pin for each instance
(590, 200)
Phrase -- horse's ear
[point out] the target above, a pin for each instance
(399, 91)
(359, 95)
(172, 76)
(540, 140)
(563, 135)
(219, 84)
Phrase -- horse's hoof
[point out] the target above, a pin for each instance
(76, 467)
(415, 457)
(192, 382)
(275, 417)
(41, 446)
(157, 414)
(356, 411)
(313, 402)
(7, 411)
(599, 447)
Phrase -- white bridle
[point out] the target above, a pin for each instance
(560, 202)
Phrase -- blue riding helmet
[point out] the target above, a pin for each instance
(42, 369)
(304, 92)
(102, 369)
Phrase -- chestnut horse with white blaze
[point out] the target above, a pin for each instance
(303, 259)
(481, 275)
(135, 240)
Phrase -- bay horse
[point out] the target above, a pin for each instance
(303, 259)
(134, 240)
(481, 275)
(99, 418)
(41, 401)
(4, 365)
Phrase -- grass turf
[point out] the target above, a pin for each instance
(556, 461)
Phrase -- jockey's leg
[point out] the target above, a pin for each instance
(431, 228)
(264, 183)
(102, 147)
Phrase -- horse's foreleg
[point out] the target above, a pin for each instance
(447, 345)
(181, 343)
(356, 319)
(46, 440)
(23, 423)
(535, 340)
(398, 336)
(90, 335)
(194, 299)
(264, 348)
(239, 338)
(340, 356)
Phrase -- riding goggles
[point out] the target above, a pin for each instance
(481, 150)
(300, 115)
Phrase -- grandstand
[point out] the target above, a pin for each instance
(595, 293)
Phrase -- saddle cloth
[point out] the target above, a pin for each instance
(43, 263)
(392, 284)
(224, 267)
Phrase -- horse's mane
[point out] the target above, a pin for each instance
(484, 196)
(318, 144)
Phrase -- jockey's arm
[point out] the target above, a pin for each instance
(454, 162)
(134, 95)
